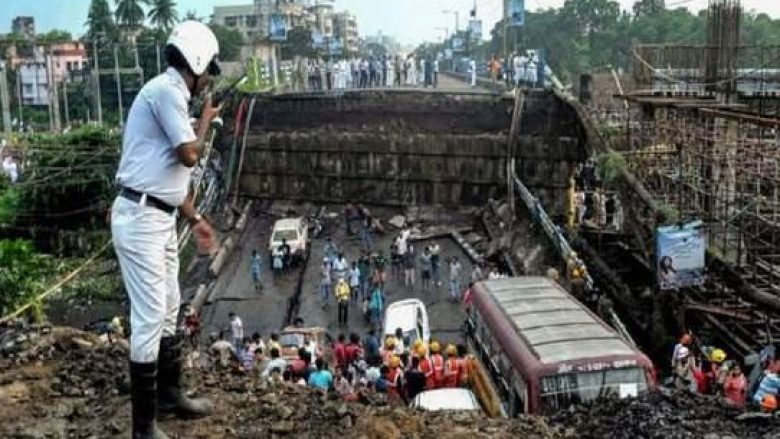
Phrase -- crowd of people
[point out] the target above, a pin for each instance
(389, 70)
(706, 370)
(398, 367)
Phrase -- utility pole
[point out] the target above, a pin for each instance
(65, 101)
(19, 98)
(118, 79)
(157, 49)
(97, 82)
(6, 100)
(54, 97)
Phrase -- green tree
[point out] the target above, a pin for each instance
(648, 7)
(191, 15)
(100, 21)
(230, 42)
(592, 16)
(163, 14)
(23, 273)
(55, 36)
(130, 13)
(299, 43)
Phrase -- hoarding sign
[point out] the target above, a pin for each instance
(475, 27)
(277, 28)
(516, 12)
(680, 255)
(457, 44)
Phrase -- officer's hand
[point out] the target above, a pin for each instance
(209, 110)
(205, 238)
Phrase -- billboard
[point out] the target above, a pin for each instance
(515, 12)
(277, 28)
(457, 44)
(680, 255)
(475, 28)
(336, 47)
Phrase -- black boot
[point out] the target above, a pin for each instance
(171, 396)
(143, 396)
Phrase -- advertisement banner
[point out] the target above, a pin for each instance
(277, 28)
(336, 47)
(475, 28)
(515, 12)
(317, 39)
(680, 255)
(457, 44)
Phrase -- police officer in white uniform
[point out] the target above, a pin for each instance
(159, 150)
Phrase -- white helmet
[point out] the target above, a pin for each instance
(198, 45)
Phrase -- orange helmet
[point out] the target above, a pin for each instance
(769, 403)
(395, 361)
(435, 348)
(686, 339)
(390, 342)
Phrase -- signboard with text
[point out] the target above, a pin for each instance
(475, 28)
(457, 44)
(516, 12)
(680, 255)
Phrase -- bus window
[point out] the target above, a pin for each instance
(561, 391)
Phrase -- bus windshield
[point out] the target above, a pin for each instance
(560, 391)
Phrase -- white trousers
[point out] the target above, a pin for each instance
(146, 247)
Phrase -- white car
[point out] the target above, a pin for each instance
(411, 316)
(294, 232)
(446, 399)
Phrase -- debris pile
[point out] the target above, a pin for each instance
(664, 414)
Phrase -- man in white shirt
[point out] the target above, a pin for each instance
(236, 331)
(10, 168)
(159, 150)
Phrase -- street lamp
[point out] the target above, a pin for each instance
(457, 18)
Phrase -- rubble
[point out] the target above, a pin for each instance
(60, 382)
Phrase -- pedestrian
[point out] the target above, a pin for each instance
(340, 267)
(277, 260)
(409, 265)
(414, 380)
(768, 386)
(342, 297)
(354, 282)
(425, 268)
(354, 351)
(452, 372)
(436, 72)
(376, 305)
(221, 351)
(473, 73)
(236, 331)
(684, 371)
(340, 351)
(455, 272)
(256, 270)
(437, 361)
(321, 379)
(275, 365)
(426, 367)
(400, 342)
(330, 250)
(477, 273)
(380, 266)
(394, 377)
(325, 282)
(350, 215)
(364, 265)
(435, 264)
(247, 355)
(735, 387)
(365, 232)
(373, 356)
(159, 149)
(396, 270)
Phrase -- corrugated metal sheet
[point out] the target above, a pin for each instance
(556, 326)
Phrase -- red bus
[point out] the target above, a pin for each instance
(544, 350)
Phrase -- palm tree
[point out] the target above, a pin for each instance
(100, 22)
(129, 13)
(163, 14)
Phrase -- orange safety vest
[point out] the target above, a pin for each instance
(438, 370)
(392, 385)
(452, 372)
(426, 367)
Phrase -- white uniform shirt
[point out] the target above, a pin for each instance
(157, 124)
(11, 169)
(237, 328)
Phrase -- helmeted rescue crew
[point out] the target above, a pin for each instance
(159, 149)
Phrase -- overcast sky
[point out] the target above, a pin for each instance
(412, 21)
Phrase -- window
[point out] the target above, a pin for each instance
(251, 21)
(560, 391)
(230, 21)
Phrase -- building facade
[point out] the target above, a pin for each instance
(67, 58)
(243, 18)
(345, 29)
(33, 79)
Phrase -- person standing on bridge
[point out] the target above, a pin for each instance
(325, 281)
(472, 72)
(159, 150)
(342, 297)
(256, 268)
(455, 272)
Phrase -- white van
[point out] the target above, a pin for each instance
(411, 316)
(294, 232)
(446, 399)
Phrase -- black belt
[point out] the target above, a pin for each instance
(151, 200)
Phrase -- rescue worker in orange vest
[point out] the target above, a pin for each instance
(418, 349)
(389, 351)
(438, 365)
(426, 366)
(394, 379)
(465, 366)
(452, 367)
